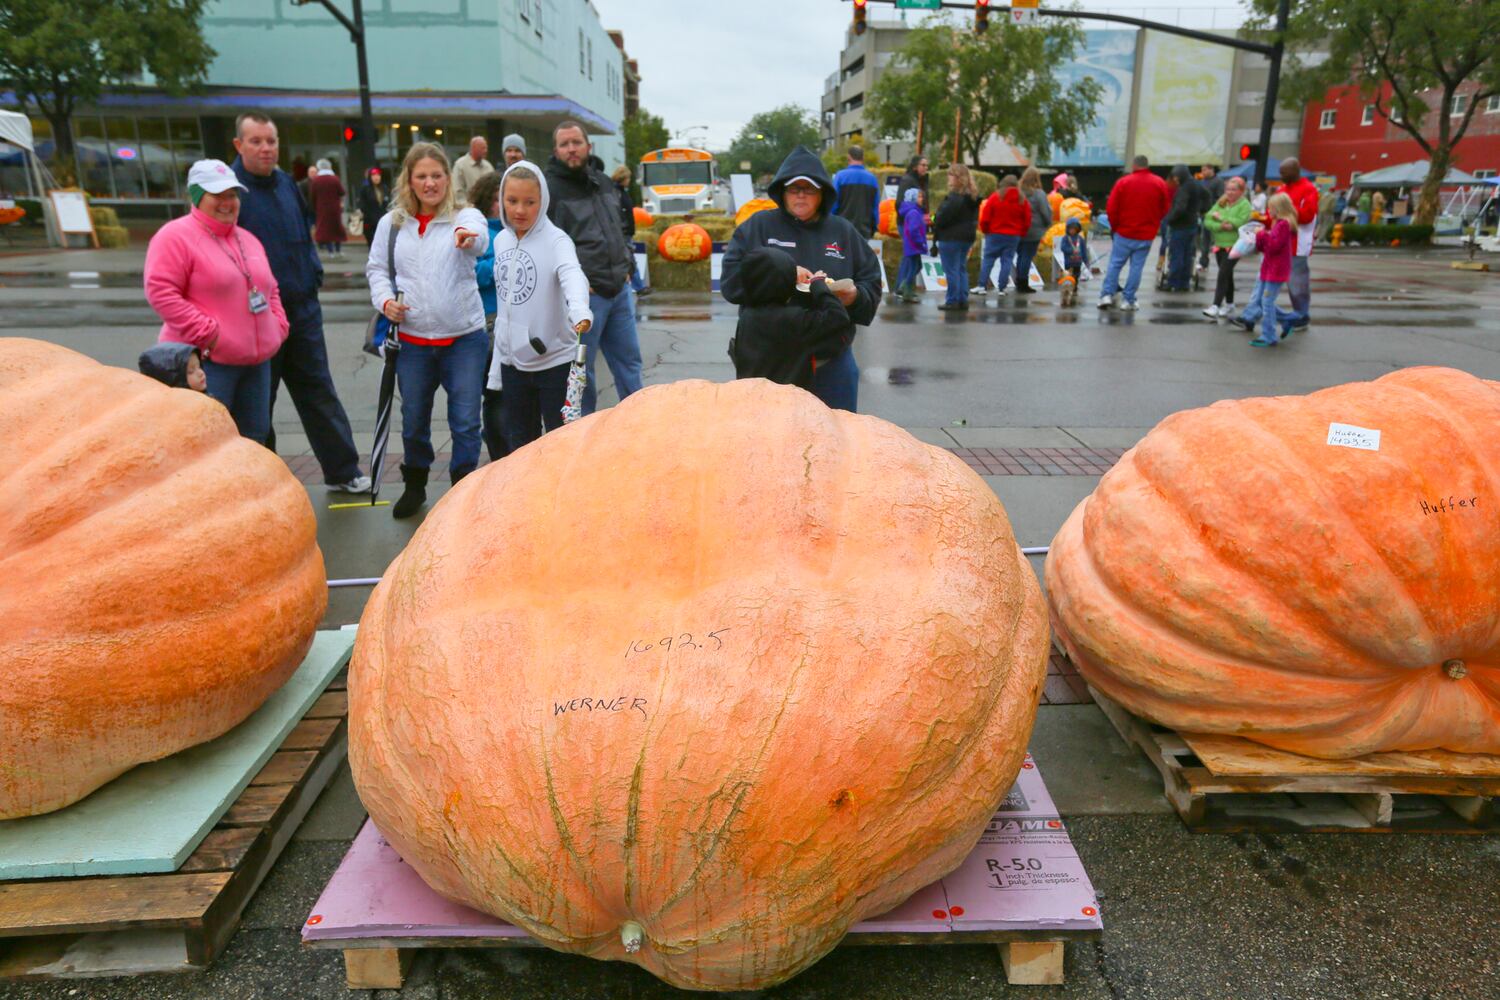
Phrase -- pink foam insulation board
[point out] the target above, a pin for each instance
(1023, 875)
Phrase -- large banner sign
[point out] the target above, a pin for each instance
(1108, 57)
(1184, 100)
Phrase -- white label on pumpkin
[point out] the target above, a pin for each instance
(1350, 436)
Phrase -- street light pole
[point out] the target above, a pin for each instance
(356, 29)
(1273, 87)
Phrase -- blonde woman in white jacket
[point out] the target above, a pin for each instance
(441, 316)
(542, 308)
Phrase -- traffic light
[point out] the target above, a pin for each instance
(859, 16)
(981, 16)
(351, 133)
(1249, 153)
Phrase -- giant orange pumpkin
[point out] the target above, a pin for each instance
(643, 218)
(159, 574)
(699, 693)
(1243, 570)
(887, 223)
(685, 243)
(750, 208)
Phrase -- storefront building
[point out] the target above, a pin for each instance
(440, 71)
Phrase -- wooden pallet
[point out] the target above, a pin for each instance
(1225, 784)
(1029, 957)
(179, 921)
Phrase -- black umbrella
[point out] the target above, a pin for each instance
(384, 407)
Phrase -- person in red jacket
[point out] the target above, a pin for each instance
(1305, 195)
(1137, 205)
(1003, 219)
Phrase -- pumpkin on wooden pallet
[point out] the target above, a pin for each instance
(159, 574)
(699, 694)
(1317, 573)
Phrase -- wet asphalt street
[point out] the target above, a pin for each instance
(1186, 915)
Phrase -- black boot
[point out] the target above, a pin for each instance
(415, 494)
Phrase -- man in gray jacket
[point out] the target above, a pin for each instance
(585, 204)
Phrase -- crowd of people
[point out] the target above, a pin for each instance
(488, 280)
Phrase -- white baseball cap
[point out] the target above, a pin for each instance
(213, 176)
(803, 177)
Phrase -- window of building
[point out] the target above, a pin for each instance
(1492, 106)
(1484, 173)
(1459, 105)
(582, 68)
(523, 7)
(1394, 114)
(1369, 115)
(537, 16)
(1327, 118)
(591, 58)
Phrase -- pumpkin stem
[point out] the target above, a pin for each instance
(632, 936)
(1456, 669)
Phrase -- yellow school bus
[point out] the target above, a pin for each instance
(677, 180)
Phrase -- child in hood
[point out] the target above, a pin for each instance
(1070, 253)
(176, 365)
(542, 308)
(784, 333)
(913, 214)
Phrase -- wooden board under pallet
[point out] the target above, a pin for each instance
(63, 928)
(1225, 784)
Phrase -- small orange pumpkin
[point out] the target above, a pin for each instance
(707, 752)
(685, 243)
(13, 214)
(159, 574)
(888, 217)
(1268, 568)
(643, 218)
(751, 207)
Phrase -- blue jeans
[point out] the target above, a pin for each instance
(460, 369)
(1267, 300)
(906, 275)
(837, 382)
(955, 254)
(1180, 246)
(1122, 249)
(302, 363)
(1251, 314)
(530, 401)
(1300, 288)
(245, 391)
(613, 333)
(1025, 257)
(1002, 248)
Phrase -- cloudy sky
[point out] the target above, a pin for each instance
(715, 63)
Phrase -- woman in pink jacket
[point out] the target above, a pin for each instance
(210, 282)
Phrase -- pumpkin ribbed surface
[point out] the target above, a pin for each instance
(720, 664)
(1238, 573)
(159, 574)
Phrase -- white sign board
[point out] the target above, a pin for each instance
(1023, 11)
(72, 208)
(1350, 436)
(742, 187)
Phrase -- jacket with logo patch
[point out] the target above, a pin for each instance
(540, 293)
(826, 242)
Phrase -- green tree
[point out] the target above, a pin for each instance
(1407, 57)
(768, 137)
(643, 133)
(57, 54)
(1001, 83)
(836, 157)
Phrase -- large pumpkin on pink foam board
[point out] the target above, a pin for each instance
(701, 693)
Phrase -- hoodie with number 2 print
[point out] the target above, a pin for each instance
(541, 293)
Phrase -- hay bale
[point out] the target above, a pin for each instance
(112, 237)
(104, 217)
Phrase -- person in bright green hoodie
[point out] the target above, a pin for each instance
(1223, 223)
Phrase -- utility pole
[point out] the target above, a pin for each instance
(1273, 87)
(356, 29)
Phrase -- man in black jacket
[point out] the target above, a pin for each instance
(1189, 205)
(585, 204)
(818, 241)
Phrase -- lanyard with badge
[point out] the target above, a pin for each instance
(258, 302)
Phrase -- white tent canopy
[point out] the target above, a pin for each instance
(1411, 175)
(15, 129)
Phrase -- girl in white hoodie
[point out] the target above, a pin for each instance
(542, 308)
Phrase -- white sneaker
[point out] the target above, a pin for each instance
(1213, 312)
(1107, 302)
(359, 484)
(1129, 307)
(1119, 299)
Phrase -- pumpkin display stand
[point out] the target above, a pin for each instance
(200, 829)
(1227, 784)
(1022, 888)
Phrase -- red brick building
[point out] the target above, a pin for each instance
(1344, 135)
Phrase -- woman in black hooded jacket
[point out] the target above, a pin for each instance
(819, 242)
